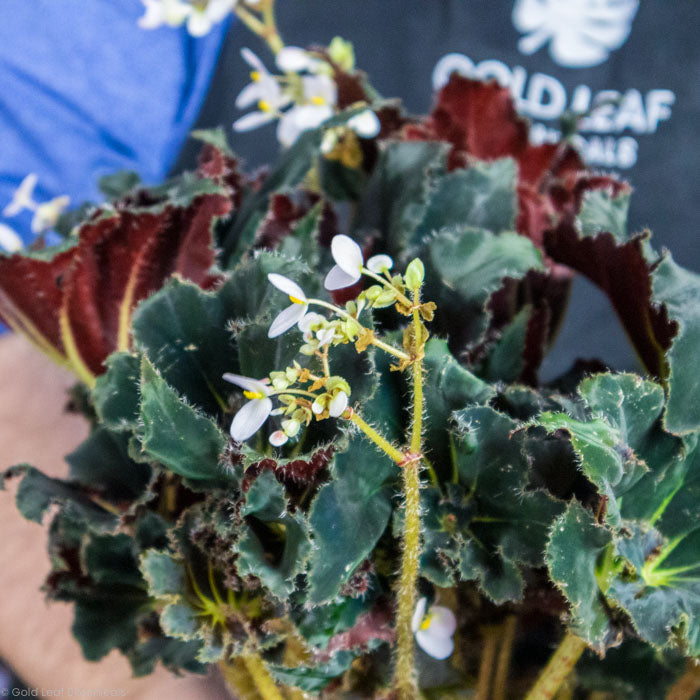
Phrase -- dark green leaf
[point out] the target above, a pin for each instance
(175, 434)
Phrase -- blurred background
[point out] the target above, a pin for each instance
(86, 92)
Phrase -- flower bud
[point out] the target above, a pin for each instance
(415, 274)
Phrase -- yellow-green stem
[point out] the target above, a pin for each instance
(376, 438)
(261, 676)
(488, 656)
(559, 667)
(500, 682)
(405, 673)
(266, 29)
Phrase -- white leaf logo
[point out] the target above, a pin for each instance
(581, 33)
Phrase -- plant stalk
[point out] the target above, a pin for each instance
(488, 655)
(264, 683)
(381, 442)
(410, 560)
(503, 662)
(559, 667)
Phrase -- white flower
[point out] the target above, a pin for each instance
(9, 239)
(349, 263)
(292, 59)
(160, 12)
(46, 214)
(318, 101)
(380, 263)
(365, 124)
(292, 314)
(203, 17)
(23, 198)
(325, 336)
(434, 629)
(249, 419)
(338, 404)
(278, 438)
(263, 89)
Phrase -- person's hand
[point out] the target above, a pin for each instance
(35, 636)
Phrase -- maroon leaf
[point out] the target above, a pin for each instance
(622, 271)
(77, 307)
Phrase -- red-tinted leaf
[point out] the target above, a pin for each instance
(215, 164)
(30, 299)
(374, 625)
(624, 274)
(284, 213)
(77, 307)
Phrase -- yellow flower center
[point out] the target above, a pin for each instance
(254, 76)
(318, 100)
(294, 300)
(425, 623)
(264, 106)
(253, 394)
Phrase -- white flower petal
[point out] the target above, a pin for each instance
(442, 621)
(278, 438)
(317, 408)
(284, 284)
(337, 278)
(199, 23)
(310, 116)
(249, 419)
(347, 254)
(218, 10)
(46, 214)
(435, 645)
(23, 198)
(320, 88)
(247, 383)
(365, 124)
(338, 404)
(379, 263)
(250, 95)
(253, 61)
(418, 614)
(286, 319)
(153, 17)
(9, 239)
(287, 130)
(309, 320)
(325, 336)
(253, 121)
(292, 59)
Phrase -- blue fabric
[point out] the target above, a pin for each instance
(84, 91)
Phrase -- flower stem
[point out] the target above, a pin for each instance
(558, 668)
(410, 559)
(376, 438)
(267, 28)
(405, 676)
(388, 348)
(503, 663)
(488, 655)
(375, 341)
(261, 677)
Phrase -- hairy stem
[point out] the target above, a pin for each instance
(405, 674)
(559, 667)
(488, 655)
(264, 683)
(375, 437)
(267, 28)
(503, 662)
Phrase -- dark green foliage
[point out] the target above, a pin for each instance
(175, 434)
(271, 526)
